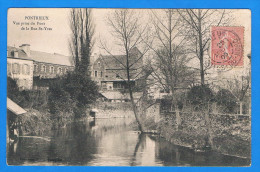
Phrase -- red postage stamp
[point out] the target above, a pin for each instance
(227, 44)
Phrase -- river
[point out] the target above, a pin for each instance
(109, 142)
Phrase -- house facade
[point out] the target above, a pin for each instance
(20, 68)
(28, 67)
(109, 71)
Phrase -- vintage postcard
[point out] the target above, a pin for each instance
(128, 87)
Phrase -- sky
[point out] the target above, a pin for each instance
(56, 40)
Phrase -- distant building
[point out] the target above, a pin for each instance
(109, 71)
(20, 67)
(28, 66)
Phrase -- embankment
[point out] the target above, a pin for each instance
(229, 134)
(114, 110)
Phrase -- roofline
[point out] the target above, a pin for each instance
(20, 58)
(117, 80)
(39, 61)
(53, 63)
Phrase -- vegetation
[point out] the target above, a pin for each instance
(226, 100)
(200, 95)
(72, 93)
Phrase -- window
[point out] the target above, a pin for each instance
(59, 70)
(43, 68)
(35, 68)
(9, 68)
(98, 64)
(101, 74)
(16, 68)
(95, 73)
(26, 69)
(52, 70)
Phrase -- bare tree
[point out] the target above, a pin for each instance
(198, 23)
(170, 68)
(82, 41)
(238, 86)
(128, 32)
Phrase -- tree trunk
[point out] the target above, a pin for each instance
(137, 117)
(178, 118)
(209, 141)
(241, 107)
(201, 58)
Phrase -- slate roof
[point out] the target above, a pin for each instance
(41, 56)
(51, 58)
(119, 61)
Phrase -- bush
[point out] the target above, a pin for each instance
(226, 100)
(72, 93)
(13, 91)
(36, 99)
(200, 95)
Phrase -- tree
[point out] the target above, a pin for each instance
(170, 68)
(128, 32)
(227, 100)
(238, 86)
(196, 25)
(82, 40)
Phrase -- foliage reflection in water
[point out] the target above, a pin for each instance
(110, 142)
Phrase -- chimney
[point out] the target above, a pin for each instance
(26, 49)
(93, 58)
(16, 53)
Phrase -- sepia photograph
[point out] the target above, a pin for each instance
(128, 87)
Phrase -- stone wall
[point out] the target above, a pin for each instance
(113, 110)
(229, 134)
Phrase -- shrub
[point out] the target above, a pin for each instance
(200, 95)
(226, 100)
(13, 91)
(72, 93)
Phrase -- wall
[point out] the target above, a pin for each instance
(99, 67)
(229, 134)
(113, 110)
(22, 71)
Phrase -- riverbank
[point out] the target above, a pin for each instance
(42, 123)
(229, 135)
(113, 110)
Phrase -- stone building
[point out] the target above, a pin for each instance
(20, 67)
(30, 67)
(109, 71)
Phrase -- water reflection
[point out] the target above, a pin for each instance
(109, 142)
